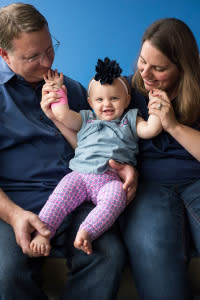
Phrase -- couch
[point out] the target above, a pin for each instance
(55, 274)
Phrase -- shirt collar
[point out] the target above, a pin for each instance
(6, 73)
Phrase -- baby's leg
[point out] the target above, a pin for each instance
(111, 201)
(40, 245)
(68, 194)
(83, 241)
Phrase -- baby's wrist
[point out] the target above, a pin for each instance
(62, 100)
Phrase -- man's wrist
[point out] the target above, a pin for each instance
(14, 214)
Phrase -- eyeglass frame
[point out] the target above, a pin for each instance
(40, 57)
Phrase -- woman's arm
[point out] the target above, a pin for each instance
(187, 137)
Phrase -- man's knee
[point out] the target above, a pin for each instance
(110, 249)
(9, 272)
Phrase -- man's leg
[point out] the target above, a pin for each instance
(19, 275)
(154, 234)
(92, 277)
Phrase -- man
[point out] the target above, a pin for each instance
(34, 156)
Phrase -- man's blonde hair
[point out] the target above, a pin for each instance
(17, 18)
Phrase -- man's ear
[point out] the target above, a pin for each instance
(4, 55)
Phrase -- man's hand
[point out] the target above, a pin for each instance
(129, 177)
(24, 223)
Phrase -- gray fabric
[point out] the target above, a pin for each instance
(99, 141)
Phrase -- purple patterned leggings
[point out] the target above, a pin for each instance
(104, 190)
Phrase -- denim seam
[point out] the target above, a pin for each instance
(197, 219)
(183, 233)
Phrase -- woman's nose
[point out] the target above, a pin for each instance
(146, 71)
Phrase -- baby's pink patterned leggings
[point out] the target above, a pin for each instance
(104, 190)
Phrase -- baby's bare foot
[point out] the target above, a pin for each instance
(83, 241)
(40, 246)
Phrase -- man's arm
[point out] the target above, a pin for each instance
(23, 222)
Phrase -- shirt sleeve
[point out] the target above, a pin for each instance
(132, 117)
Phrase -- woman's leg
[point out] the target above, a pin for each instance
(153, 230)
(191, 198)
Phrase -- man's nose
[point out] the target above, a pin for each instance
(46, 61)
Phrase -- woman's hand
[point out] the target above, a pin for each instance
(129, 177)
(160, 105)
(186, 136)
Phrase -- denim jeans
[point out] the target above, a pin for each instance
(154, 228)
(93, 277)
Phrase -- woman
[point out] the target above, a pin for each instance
(167, 205)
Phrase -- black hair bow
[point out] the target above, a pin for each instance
(107, 70)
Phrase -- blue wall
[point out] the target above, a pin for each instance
(89, 29)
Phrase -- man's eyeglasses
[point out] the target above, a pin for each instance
(49, 52)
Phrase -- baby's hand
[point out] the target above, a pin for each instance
(159, 94)
(54, 79)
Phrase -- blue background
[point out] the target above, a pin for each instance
(89, 29)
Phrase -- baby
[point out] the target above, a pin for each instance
(107, 131)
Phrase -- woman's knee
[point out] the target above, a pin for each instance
(140, 241)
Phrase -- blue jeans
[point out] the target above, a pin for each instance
(93, 277)
(154, 228)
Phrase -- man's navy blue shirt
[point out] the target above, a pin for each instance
(34, 156)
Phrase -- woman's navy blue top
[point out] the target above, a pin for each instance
(162, 158)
